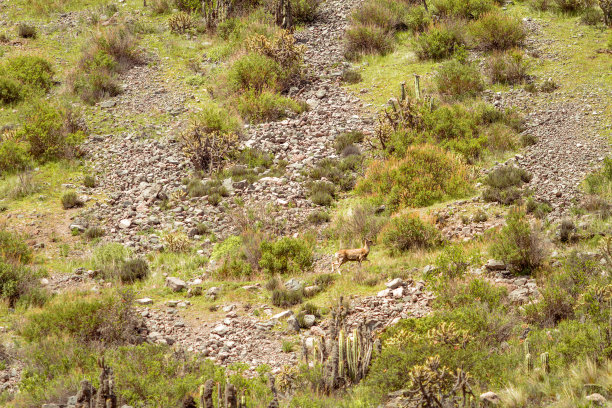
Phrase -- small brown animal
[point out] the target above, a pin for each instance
(350, 255)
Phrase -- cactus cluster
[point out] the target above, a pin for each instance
(215, 11)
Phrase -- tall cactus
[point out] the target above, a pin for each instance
(544, 359)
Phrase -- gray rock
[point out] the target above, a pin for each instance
(282, 315)
(309, 321)
(213, 292)
(490, 397)
(108, 104)
(495, 265)
(597, 399)
(293, 324)
(220, 329)
(144, 301)
(175, 284)
(294, 285)
(395, 283)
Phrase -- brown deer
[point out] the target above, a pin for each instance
(351, 255)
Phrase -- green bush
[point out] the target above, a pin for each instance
(21, 285)
(234, 268)
(189, 6)
(459, 79)
(519, 245)
(507, 68)
(322, 192)
(467, 9)
(108, 319)
(94, 232)
(14, 156)
(266, 106)
(255, 72)
(70, 199)
(213, 118)
(384, 14)
(592, 16)
(340, 173)
(89, 181)
(51, 133)
(35, 72)
(347, 139)
(109, 258)
(286, 298)
(25, 30)
(13, 248)
(366, 39)
(425, 175)
(572, 6)
(134, 270)
(417, 19)
(10, 91)
(503, 182)
(107, 54)
(357, 223)
(285, 256)
(407, 232)
(305, 11)
(497, 31)
(437, 43)
(318, 217)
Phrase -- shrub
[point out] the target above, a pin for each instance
(110, 320)
(10, 91)
(210, 138)
(519, 245)
(592, 16)
(319, 217)
(571, 6)
(366, 39)
(254, 72)
(180, 23)
(500, 138)
(189, 6)
(70, 199)
(503, 183)
(234, 268)
(459, 79)
(549, 85)
(507, 68)
(134, 270)
(340, 173)
(51, 133)
(25, 30)
(20, 285)
(417, 19)
(437, 43)
(359, 222)
(305, 11)
(528, 139)
(406, 232)
(540, 5)
(351, 76)
(427, 174)
(496, 31)
(94, 232)
(266, 106)
(159, 7)
(566, 230)
(89, 181)
(14, 156)
(322, 192)
(347, 139)
(30, 70)
(287, 298)
(384, 14)
(107, 54)
(287, 255)
(13, 248)
(468, 9)
(109, 258)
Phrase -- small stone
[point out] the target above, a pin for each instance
(144, 301)
(490, 397)
(495, 265)
(220, 329)
(309, 321)
(282, 315)
(125, 223)
(597, 398)
(44, 281)
(384, 293)
(398, 293)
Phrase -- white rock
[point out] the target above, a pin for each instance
(395, 283)
(144, 301)
(125, 223)
(283, 315)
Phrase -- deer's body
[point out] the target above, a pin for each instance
(351, 255)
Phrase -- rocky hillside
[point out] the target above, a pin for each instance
(177, 177)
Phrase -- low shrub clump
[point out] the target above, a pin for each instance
(507, 68)
(503, 184)
(70, 199)
(520, 245)
(134, 270)
(466, 9)
(13, 248)
(363, 40)
(25, 30)
(496, 31)
(356, 224)
(265, 106)
(285, 256)
(459, 79)
(406, 232)
(107, 54)
(437, 43)
(29, 70)
(10, 91)
(425, 175)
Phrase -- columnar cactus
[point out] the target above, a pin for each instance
(545, 362)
